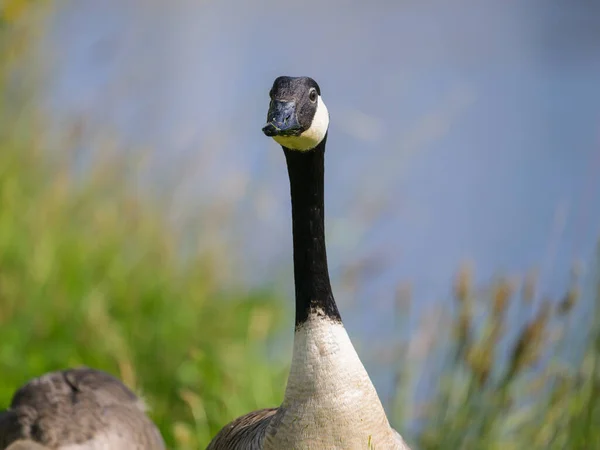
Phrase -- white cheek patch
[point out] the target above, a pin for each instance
(310, 138)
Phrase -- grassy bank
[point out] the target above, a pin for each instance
(520, 371)
(91, 274)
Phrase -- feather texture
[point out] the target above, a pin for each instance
(244, 433)
(78, 409)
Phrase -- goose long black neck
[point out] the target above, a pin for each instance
(311, 275)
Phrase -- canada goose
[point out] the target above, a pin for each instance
(77, 409)
(329, 401)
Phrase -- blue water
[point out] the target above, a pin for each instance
(463, 130)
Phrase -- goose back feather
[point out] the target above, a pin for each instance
(78, 409)
(246, 432)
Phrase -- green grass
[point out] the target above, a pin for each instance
(91, 273)
(507, 383)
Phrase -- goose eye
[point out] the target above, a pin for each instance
(312, 95)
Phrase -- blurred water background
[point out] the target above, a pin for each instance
(461, 132)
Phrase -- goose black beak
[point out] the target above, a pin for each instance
(282, 120)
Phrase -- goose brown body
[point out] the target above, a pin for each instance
(77, 409)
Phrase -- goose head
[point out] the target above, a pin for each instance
(298, 118)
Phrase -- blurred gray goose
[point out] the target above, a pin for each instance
(77, 409)
(330, 401)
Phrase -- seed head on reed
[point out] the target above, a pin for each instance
(568, 301)
(527, 349)
(463, 283)
(501, 295)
